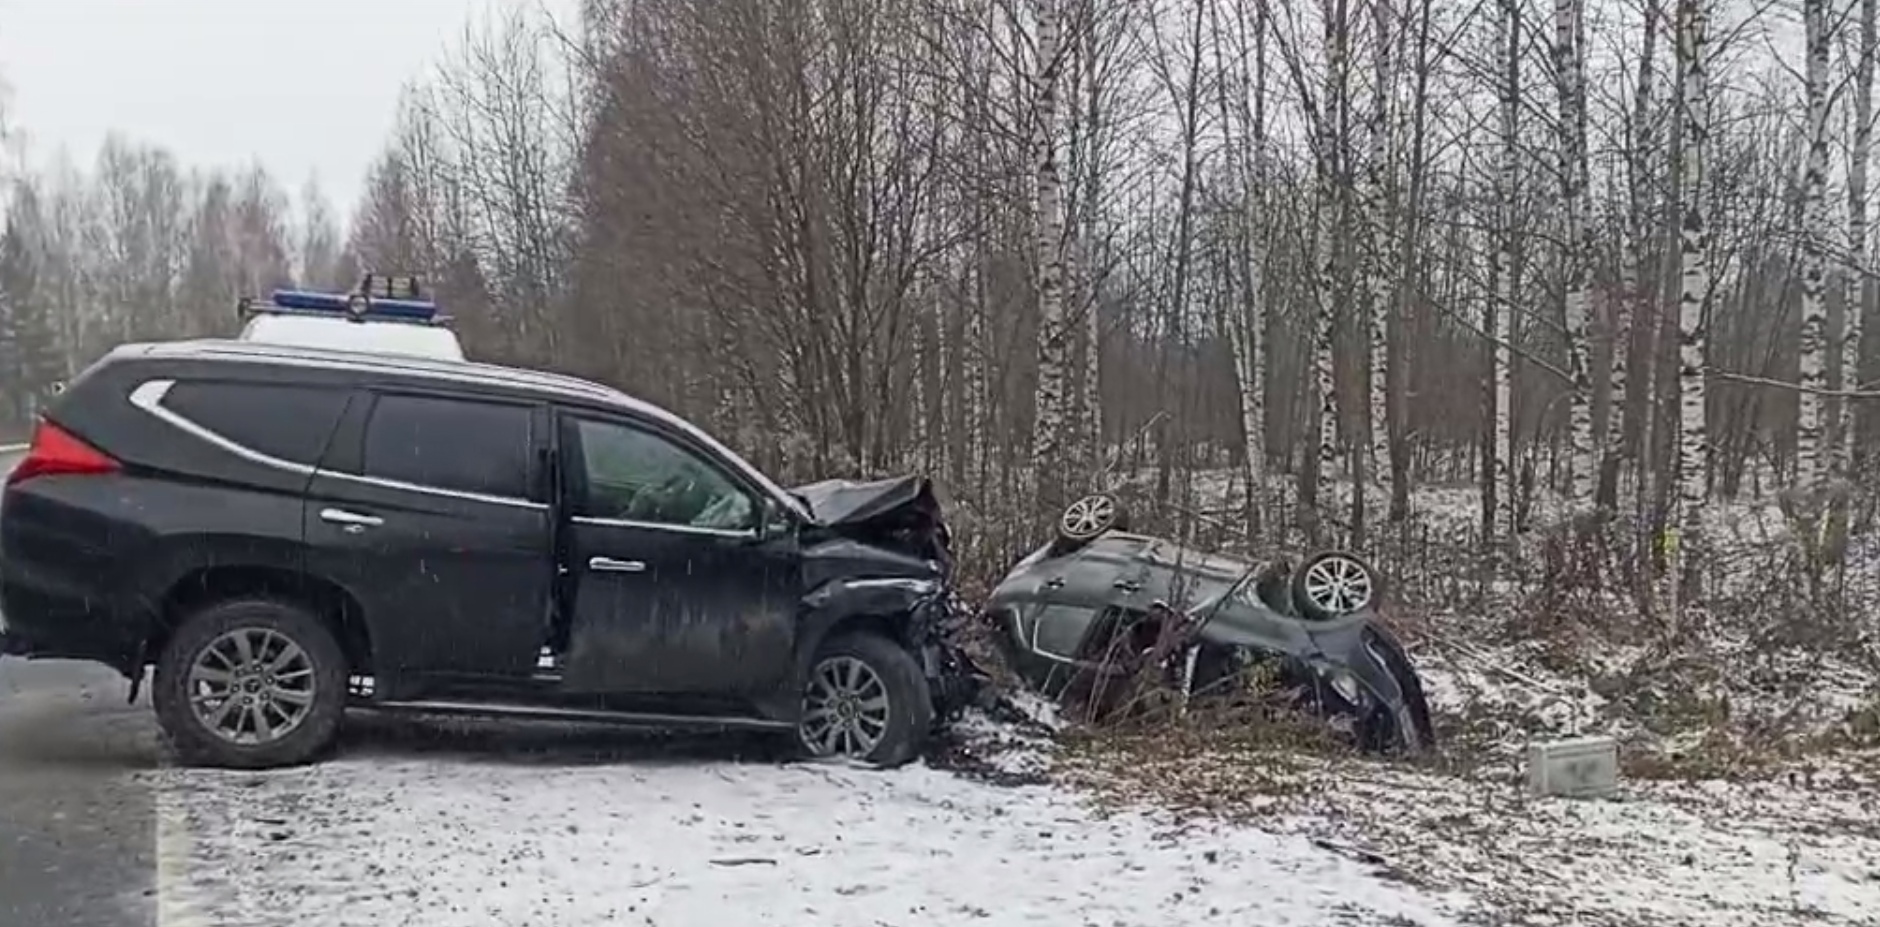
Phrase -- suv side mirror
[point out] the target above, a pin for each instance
(772, 519)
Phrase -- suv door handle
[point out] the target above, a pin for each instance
(352, 520)
(1128, 585)
(610, 565)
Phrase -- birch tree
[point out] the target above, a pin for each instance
(1331, 245)
(1570, 88)
(1860, 289)
(1498, 317)
(1378, 255)
(1248, 156)
(1050, 403)
(1815, 232)
(1693, 464)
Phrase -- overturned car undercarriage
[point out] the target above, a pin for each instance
(1082, 617)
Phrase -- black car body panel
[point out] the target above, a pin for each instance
(706, 613)
(476, 564)
(1057, 612)
(456, 571)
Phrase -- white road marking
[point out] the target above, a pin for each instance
(173, 851)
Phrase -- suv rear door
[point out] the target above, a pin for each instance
(674, 589)
(430, 509)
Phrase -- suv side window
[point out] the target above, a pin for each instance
(635, 475)
(457, 444)
(283, 421)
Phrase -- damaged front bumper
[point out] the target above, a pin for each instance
(955, 682)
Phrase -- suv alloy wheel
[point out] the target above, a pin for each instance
(865, 699)
(249, 684)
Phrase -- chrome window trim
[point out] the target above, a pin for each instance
(746, 534)
(149, 395)
(492, 375)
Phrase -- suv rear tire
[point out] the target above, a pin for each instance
(849, 677)
(270, 680)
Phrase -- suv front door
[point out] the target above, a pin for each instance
(429, 510)
(675, 589)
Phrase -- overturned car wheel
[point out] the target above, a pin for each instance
(865, 699)
(1088, 518)
(1335, 584)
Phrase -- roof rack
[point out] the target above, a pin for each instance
(377, 298)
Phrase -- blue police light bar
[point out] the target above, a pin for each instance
(410, 310)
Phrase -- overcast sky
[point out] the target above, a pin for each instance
(308, 87)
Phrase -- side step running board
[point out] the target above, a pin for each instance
(552, 713)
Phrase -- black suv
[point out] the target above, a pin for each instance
(284, 531)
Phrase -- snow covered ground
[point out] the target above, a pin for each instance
(1792, 848)
(594, 830)
(1749, 800)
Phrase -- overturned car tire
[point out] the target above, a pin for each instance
(865, 699)
(1333, 584)
(1088, 518)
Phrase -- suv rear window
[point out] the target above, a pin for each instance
(287, 422)
(457, 444)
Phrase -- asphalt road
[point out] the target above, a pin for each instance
(77, 826)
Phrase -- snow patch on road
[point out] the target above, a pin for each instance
(414, 840)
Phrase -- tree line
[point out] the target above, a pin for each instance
(1603, 257)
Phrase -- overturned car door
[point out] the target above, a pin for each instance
(673, 585)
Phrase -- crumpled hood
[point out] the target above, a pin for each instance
(847, 502)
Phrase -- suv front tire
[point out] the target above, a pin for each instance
(249, 684)
(865, 699)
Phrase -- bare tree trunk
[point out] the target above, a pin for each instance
(1087, 240)
(1377, 263)
(1498, 490)
(1246, 320)
(1859, 282)
(1412, 272)
(1570, 84)
(1175, 335)
(1694, 446)
(1049, 424)
(1808, 456)
(1330, 216)
(1641, 290)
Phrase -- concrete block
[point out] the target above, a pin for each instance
(1583, 767)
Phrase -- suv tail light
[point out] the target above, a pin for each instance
(57, 452)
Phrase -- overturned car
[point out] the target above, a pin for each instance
(1099, 603)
